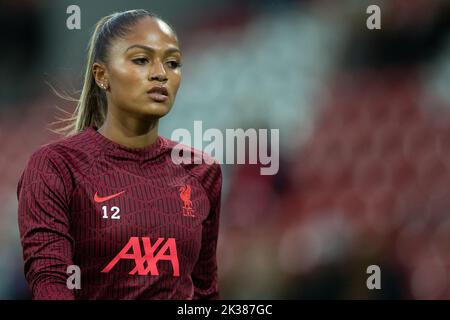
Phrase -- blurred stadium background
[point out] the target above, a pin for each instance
(364, 119)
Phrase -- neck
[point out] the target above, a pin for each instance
(132, 133)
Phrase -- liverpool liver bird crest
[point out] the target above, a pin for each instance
(185, 195)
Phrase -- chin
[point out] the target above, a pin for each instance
(156, 110)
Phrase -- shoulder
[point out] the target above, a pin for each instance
(80, 141)
(202, 166)
(44, 157)
(53, 163)
(64, 148)
(45, 166)
(58, 154)
(192, 159)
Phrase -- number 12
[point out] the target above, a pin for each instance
(115, 211)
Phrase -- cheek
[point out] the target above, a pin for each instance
(124, 76)
(176, 80)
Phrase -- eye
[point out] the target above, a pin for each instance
(140, 61)
(174, 64)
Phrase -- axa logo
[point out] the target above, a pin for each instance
(185, 195)
(146, 264)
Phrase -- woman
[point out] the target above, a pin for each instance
(108, 198)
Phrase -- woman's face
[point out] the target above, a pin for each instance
(148, 57)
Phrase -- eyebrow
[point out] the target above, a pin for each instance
(146, 48)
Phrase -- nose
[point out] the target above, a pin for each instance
(157, 71)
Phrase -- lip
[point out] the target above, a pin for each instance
(158, 94)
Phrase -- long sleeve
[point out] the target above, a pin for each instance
(205, 275)
(43, 196)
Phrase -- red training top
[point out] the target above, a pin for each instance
(137, 225)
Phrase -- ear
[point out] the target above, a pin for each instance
(100, 75)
